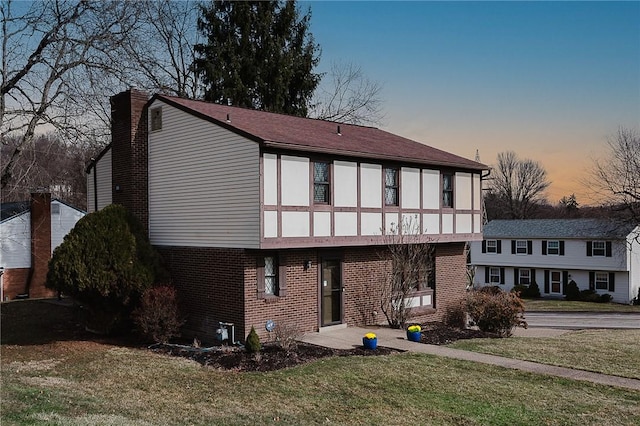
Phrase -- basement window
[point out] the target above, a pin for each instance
(156, 118)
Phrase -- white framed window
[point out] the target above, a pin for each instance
(492, 246)
(524, 276)
(599, 248)
(602, 281)
(494, 275)
(553, 247)
(521, 246)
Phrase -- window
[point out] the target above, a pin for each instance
(602, 280)
(55, 208)
(524, 276)
(321, 183)
(492, 246)
(270, 276)
(156, 118)
(494, 275)
(391, 187)
(447, 190)
(521, 247)
(553, 247)
(599, 248)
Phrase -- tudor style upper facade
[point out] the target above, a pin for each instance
(220, 176)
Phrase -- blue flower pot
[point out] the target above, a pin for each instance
(414, 336)
(370, 344)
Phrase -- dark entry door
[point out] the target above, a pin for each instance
(331, 290)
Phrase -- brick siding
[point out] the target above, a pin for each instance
(14, 282)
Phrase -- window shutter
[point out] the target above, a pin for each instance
(533, 276)
(612, 281)
(486, 275)
(565, 280)
(608, 248)
(589, 248)
(529, 247)
(260, 276)
(282, 278)
(501, 275)
(544, 247)
(499, 246)
(546, 281)
(513, 246)
(561, 248)
(592, 280)
(516, 276)
(484, 246)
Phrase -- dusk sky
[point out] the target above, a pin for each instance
(548, 80)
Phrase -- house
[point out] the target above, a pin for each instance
(597, 254)
(270, 219)
(29, 233)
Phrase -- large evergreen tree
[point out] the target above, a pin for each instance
(257, 55)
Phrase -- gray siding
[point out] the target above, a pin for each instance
(204, 184)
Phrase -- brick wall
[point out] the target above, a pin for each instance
(14, 282)
(209, 282)
(451, 277)
(129, 153)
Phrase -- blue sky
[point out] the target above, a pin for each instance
(548, 80)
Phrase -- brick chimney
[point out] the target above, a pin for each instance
(129, 153)
(40, 245)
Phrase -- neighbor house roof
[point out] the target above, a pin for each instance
(557, 228)
(16, 208)
(321, 136)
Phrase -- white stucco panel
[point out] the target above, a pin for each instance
(322, 224)
(345, 184)
(477, 228)
(391, 222)
(430, 189)
(463, 224)
(270, 179)
(295, 181)
(410, 188)
(295, 224)
(346, 224)
(447, 224)
(462, 190)
(477, 191)
(270, 224)
(431, 223)
(370, 185)
(411, 223)
(371, 224)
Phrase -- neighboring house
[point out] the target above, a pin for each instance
(596, 254)
(29, 233)
(266, 218)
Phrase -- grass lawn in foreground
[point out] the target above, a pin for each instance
(535, 305)
(615, 352)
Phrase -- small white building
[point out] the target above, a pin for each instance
(29, 232)
(597, 254)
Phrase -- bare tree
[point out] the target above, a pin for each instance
(517, 186)
(616, 177)
(348, 96)
(411, 266)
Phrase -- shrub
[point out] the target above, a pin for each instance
(605, 298)
(106, 262)
(491, 289)
(455, 315)
(572, 290)
(157, 316)
(636, 300)
(253, 342)
(531, 291)
(287, 335)
(589, 296)
(496, 312)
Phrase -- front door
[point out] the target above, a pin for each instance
(331, 291)
(556, 282)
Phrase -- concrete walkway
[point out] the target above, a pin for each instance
(350, 337)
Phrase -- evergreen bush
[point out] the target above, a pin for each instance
(253, 342)
(572, 290)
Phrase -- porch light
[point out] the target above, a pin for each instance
(307, 264)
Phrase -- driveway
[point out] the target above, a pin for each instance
(581, 320)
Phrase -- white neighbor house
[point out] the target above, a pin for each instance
(596, 254)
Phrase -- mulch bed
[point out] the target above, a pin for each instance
(435, 333)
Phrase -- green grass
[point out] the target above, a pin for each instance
(615, 352)
(62, 380)
(574, 306)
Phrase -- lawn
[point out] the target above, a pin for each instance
(576, 306)
(68, 379)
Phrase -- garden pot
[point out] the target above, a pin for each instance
(414, 336)
(370, 343)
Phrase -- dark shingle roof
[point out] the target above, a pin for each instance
(8, 210)
(312, 135)
(557, 228)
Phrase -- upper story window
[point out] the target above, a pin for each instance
(599, 248)
(156, 118)
(321, 183)
(491, 246)
(391, 187)
(553, 247)
(521, 247)
(447, 190)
